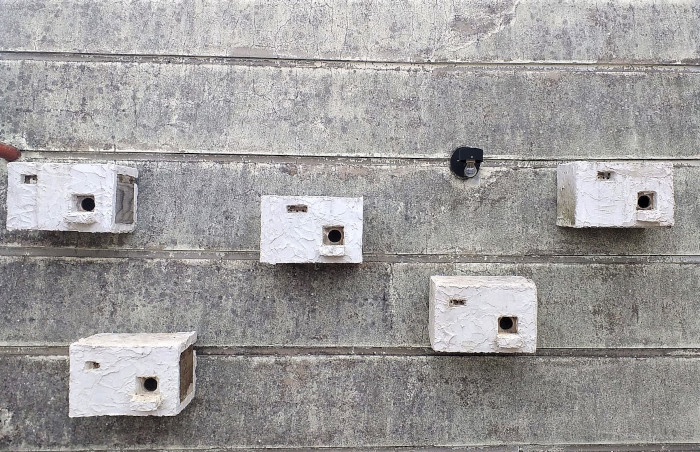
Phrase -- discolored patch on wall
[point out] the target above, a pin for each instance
(486, 18)
(6, 427)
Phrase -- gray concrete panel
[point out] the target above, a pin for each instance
(54, 301)
(616, 31)
(350, 109)
(375, 401)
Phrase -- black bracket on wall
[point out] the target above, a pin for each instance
(465, 162)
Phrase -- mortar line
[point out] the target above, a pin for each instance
(390, 258)
(195, 156)
(621, 447)
(378, 351)
(384, 448)
(165, 58)
(483, 447)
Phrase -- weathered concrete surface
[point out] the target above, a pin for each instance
(239, 303)
(375, 401)
(345, 449)
(415, 208)
(350, 109)
(647, 447)
(386, 30)
(107, 89)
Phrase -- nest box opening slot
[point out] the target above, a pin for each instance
(92, 365)
(333, 235)
(147, 385)
(85, 203)
(508, 324)
(297, 208)
(646, 200)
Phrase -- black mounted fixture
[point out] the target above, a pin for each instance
(465, 161)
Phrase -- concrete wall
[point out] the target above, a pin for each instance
(218, 102)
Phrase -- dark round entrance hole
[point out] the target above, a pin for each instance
(644, 201)
(505, 323)
(334, 236)
(87, 204)
(150, 384)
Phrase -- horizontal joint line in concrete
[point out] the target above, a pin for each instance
(481, 448)
(585, 447)
(418, 258)
(343, 63)
(196, 156)
(408, 351)
(621, 447)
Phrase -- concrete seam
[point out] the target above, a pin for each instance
(388, 258)
(194, 156)
(378, 352)
(59, 56)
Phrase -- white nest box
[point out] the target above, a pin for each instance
(71, 197)
(307, 229)
(483, 314)
(132, 374)
(615, 195)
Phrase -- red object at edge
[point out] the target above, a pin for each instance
(9, 153)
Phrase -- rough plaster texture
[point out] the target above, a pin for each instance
(352, 110)
(299, 229)
(381, 30)
(108, 370)
(465, 312)
(366, 401)
(618, 195)
(47, 196)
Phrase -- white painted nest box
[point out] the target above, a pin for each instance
(71, 197)
(483, 314)
(132, 374)
(615, 195)
(306, 229)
